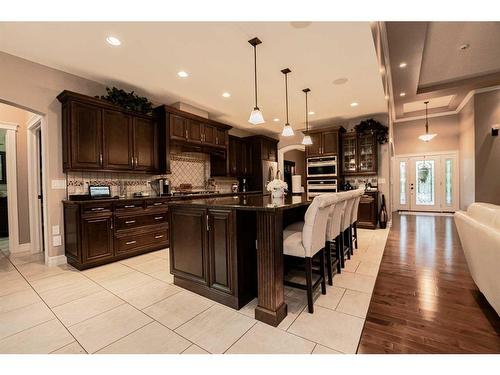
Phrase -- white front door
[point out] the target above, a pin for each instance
(427, 183)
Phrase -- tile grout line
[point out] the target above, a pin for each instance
(239, 338)
(43, 301)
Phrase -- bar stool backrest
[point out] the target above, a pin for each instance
(315, 219)
(359, 194)
(346, 218)
(335, 217)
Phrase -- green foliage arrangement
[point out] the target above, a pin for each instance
(129, 101)
(372, 126)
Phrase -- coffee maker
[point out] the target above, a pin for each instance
(161, 186)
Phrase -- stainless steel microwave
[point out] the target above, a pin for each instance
(323, 166)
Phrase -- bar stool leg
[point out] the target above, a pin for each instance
(338, 255)
(347, 242)
(340, 241)
(322, 269)
(351, 242)
(328, 250)
(355, 225)
(309, 285)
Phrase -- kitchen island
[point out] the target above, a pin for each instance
(231, 249)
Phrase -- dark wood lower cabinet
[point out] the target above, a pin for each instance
(214, 262)
(368, 211)
(96, 233)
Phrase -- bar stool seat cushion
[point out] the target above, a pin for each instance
(293, 228)
(293, 245)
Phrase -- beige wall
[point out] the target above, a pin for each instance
(487, 148)
(35, 87)
(298, 157)
(406, 135)
(466, 154)
(20, 117)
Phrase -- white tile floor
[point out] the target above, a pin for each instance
(132, 307)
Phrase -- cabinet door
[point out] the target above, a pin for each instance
(367, 154)
(367, 211)
(178, 127)
(349, 154)
(220, 250)
(315, 148)
(233, 156)
(210, 134)
(248, 158)
(85, 130)
(117, 140)
(145, 145)
(97, 238)
(188, 254)
(273, 151)
(221, 137)
(330, 141)
(194, 131)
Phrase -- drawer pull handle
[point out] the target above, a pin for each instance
(158, 217)
(157, 204)
(159, 236)
(130, 222)
(97, 208)
(131, 242)
(130, 206)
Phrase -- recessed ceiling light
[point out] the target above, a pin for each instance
(114, 41)
(276, 119)
(340, 81)
(226, 94)
(183, 74)
(403, 65)
(402, 94)
(311, 113)
(354, 104)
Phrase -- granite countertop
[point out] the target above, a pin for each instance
(156, 197)
(260, 202)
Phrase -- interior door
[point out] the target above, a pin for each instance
(427, 183)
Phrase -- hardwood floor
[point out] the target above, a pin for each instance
(425, 300)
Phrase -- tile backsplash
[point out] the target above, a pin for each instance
(356, 180)
(186, 168)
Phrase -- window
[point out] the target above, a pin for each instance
(402, 182)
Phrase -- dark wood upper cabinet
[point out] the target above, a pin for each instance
(100, 136)
(117, 140)
(84, 130)
(210, 134)
(360, 154)
(194, 131)
(178, 127)
(145, 145)
(221, 137)
(325, 142)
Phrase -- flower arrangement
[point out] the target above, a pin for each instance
(277, 187)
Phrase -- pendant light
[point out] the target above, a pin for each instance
(426, 137)
(307, 138)
(256, 117)
(287, 129)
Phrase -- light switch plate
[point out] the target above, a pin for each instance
(56, 241)
(59, 184)
(55, 229)
(381, 180)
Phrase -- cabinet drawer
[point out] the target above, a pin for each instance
(158, 204)
(156, 238)
(134, 221)
(95, 208)
(129, 206)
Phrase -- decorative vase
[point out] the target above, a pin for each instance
(277, 193)
(383, 214)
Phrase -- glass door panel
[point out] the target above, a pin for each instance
(366, 154)
(425, 183)
(349, 162)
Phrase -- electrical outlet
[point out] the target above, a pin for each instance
(55, 229)
(58, 184)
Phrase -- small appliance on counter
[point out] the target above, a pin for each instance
(99, 192)
(243, 185)
(234, 187)
(161, 186)
(141, 194)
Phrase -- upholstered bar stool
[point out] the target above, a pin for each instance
(346, 243)
(354, 217)
(308, 243)
(333, 236)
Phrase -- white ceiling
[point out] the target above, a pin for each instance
(442, 101)
(218, 58)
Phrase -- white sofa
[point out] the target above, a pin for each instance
(479, 231)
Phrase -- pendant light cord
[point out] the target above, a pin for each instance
(426, 120)
(286, 97)
(307, 115)
(255, 72)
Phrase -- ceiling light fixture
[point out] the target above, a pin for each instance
(354, 104)
(426, 137)
(276, 119)
(256, 116)
(402, 94)
(114, 41)
(307, 138)
(287, 128)
(311, 112)
(226, 95)
(403, 65)
(183, 74)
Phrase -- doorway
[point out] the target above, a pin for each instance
(288, 172)
(427, 182)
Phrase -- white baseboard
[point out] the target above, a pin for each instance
(20, 248)
(57, 260)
